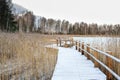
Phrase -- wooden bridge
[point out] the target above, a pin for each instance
(83, 63)
(76, 61)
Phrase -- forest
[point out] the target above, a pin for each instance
(28, 22)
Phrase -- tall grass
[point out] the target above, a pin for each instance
(24, 56)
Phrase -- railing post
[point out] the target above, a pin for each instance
(72, 42)
(119, 66)
(60, 42)
(88, 50)
(76, 45)
(110, 65)
(57, 42)
(65, 43)
(79, 46)
(96, 56)
(82, 48)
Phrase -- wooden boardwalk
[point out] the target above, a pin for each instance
(72, 65)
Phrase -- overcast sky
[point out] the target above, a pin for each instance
(96, 11)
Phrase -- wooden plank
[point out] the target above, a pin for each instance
(72, 65)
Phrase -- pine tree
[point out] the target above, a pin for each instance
(7, 22)
(2, 14)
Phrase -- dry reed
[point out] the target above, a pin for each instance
(24, 56)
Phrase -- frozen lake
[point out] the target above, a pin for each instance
(103, 43)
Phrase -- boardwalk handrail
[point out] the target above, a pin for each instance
(104, 53)
(80, 46)
(112, 72)
(60, 41)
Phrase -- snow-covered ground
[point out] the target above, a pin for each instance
(71, 65)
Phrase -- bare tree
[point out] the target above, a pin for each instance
(42, 24)
(58, 26)
(65, 27)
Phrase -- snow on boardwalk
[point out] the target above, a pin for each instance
(71, 65)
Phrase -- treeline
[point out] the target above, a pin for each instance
(25, 22)
(28, 22)
(51, 26)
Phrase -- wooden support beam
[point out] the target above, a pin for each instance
(72, 42)
(60, 42)
(79, 47)
(109, 63)
(96, 56)
(88, 50)
(82, 48)
(57, 41)
(76, 45)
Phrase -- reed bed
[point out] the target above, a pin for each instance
(25, 57)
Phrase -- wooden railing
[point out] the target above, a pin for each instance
(93, 54)
(85, 49)
(65, 42)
